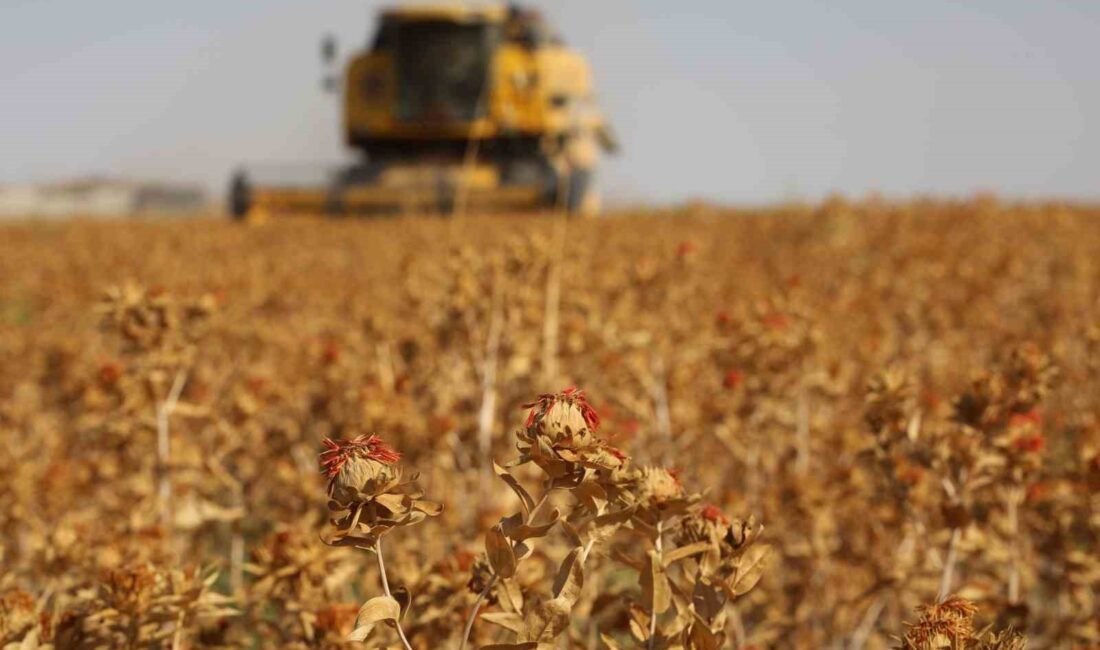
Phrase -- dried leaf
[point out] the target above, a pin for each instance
(570, 578)
(707, 599)
(507, 620)
(700, 636)
(571, 533)
(521, 492)
(683, 552)
(510, 595)
(546, 621)
(656, 595)
(381, 608)
(518, 531)
(499, 549)
(750, 568)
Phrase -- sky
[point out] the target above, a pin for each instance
(716, 100)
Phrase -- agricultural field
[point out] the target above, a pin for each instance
(848, 425)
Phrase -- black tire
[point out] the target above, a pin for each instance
(240, 196)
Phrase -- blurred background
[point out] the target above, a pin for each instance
(712, 100)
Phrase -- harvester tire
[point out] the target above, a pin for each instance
(240, 196)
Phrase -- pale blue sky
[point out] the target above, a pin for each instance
(732, 101)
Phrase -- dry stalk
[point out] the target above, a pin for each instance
(552, 309)
(386, 590)
(237, 549)
(165, 409)
(385, 367)
(487, 412)
(802, 411)
(659, 388)
(659, 547)
(739, 635)
(866, 624)
(1012, 507)
(493, 580)
(947, 577)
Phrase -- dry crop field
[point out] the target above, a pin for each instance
(852, 425)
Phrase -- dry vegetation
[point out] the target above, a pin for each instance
(797, 427)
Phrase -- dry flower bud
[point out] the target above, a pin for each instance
(659, 485)
(562, 415)
(362, 467)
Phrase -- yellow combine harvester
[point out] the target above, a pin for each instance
(450, 109)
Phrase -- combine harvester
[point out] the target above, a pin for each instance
(451, 109)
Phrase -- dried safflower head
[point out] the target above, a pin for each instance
(654, 493)
(726, 537)
(559, 435)
(564, 414)
(359, 468)
(369, 496)
(658, 485)
(950, 624)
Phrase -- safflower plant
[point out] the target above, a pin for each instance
(606, 495)
(368, 498)
(177, 425)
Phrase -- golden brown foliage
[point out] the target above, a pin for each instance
(906, 395)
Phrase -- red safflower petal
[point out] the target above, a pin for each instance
(712, 512)
(363, 446)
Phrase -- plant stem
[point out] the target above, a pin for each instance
(738, 626)
(164, 448)
(386, 588)
(177, 638)
(552, 308)
(802, 430)
(473, 614)
(949, 565)
(866, 625)
(587, 550)
(653, 606)
(493, 580)
(487, 412)
(660, 399)
(1012, 506)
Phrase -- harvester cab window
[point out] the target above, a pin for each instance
(444, 69)
(383, 38)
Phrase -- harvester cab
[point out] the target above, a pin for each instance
(452, 109)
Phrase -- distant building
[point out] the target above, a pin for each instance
(101, 198)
